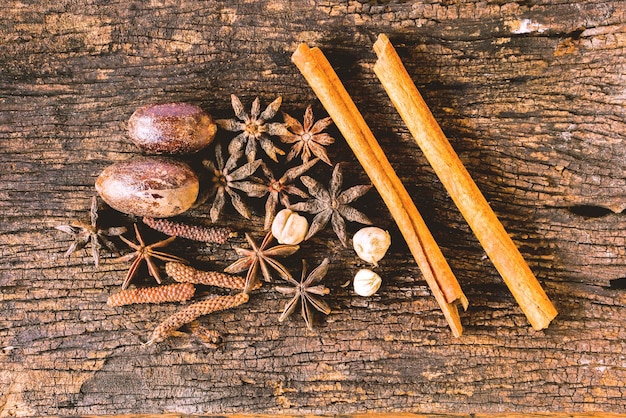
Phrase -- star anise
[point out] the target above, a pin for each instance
(84, 233)
(332, 204)
(305, 292)
(261, 257)
(308, 139)
(145, 253)
(254, 128)
(278, 190)
(227, 178)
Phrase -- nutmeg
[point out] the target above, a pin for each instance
(157, 187)
(171, 128)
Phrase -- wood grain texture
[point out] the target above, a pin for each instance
(403, 415)
(531, 96)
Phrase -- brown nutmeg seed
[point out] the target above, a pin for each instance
(171, 128)
(157, 187)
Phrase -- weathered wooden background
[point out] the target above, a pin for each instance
(531, 95)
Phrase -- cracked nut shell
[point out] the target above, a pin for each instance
(171, 128)
(157, 187)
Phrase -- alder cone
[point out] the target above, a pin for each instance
(171, 128)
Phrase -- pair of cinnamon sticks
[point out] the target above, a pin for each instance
(404, 95)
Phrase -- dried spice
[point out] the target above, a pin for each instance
(366, 282)
(149, 186)
(171, 128)
(84, 233)
(332, 204)
(308, 138)
(227, 179)
(177, 292)
(187, 274)
(214, 234)
(337, 102)
(371, 244)
(145, 253)
(190, 313)
(306, 291)
(254, 128)
(261, 257)
(210, 338)
(280, 190)
(483, 221)
(289, 227)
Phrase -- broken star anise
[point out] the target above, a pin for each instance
(332, 204)
(84, 233)
(306, 292)
(278, 190)
(254, 128)
(227, 178)
(145, 253)
(308, 138)
(260, 257)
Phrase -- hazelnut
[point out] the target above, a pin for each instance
(289, 227)
(157, 187)
(366, 282)
(371, 244)
(172, 128)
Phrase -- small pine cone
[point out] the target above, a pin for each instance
(215, 234)
(185, 274)
(178, 292)
(194, 311)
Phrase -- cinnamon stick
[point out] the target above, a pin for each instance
(324, 81)
(473, 206)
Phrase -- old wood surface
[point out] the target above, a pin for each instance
(531, 95)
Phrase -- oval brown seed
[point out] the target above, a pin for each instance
(172, 128)
(158, 187)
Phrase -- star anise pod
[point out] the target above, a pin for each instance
(306, 292)
(332, 204)
(227, 178)
(145, 253)
(261, 257)
(85, 233)
(308, 138)
(254, 128)
(278, 190)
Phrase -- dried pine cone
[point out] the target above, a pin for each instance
(215, 234)
(178, 292)
(185, 274)
(194, 311)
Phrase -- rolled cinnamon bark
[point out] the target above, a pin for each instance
(454, 176)
(324, 81)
